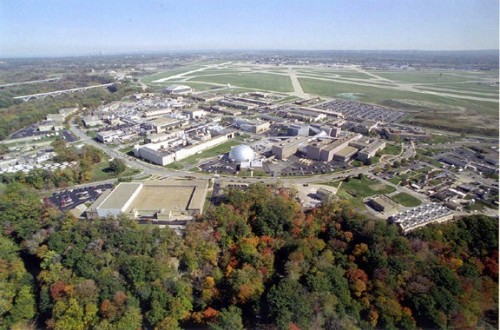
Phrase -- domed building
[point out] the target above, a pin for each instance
(241, 153)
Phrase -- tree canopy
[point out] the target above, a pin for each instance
(256, 260)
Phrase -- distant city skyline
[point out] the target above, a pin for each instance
(70, 27)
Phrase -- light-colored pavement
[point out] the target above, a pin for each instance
(297, 88)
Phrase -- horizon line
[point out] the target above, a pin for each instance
(160, 52)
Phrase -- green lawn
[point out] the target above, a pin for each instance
(379, 94)
(395, 180)
(447, 113)
(215, 151)
(406, 200)
(175, 166)
(422, 77)
(391, 149)
(264, 81)
(365, 187)
(100, 173)
(334, 74)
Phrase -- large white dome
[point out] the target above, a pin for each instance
(241, 153)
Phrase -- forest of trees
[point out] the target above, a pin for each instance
(256, 260)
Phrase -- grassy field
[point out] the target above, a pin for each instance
(423, 108)
(165, 74)
(406, 200)
(100, 172)
(365, 187)
(434, 111)
(330, 73)
(215, 151)
(262, 81)
(391, 149)
(430, 77)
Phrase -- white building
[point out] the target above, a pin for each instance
(178, 90)
(163, 154)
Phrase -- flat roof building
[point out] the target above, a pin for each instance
(371, 149)
(422, 215)
(164, 153)
(325, 150)
(382, 203)
(157, 200)
(285, 149)
(161, 125)
(345, 154)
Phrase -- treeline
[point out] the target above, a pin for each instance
(256, 261)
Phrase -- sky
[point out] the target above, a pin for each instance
(83, 27)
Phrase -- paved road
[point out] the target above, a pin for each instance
(297, 88)
(150, 169)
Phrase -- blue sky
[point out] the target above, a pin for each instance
(71, 27)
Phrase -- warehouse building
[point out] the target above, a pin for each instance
(164, 153)
(382, 203)
(161, 125)
(155, 200)
(422, 215)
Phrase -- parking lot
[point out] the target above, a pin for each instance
(26, 132)
(298, 167)
(354, 110)
(71, 198)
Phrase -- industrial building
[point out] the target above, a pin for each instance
(157, 200)
(324, 194)
(161, 125)
(254, 126)
(107, 136)
(371, 149)
(285, 149)
(421, 216)
(150, 113)
(305, 115)
(92, 121)
(325, 150)
(238, 104)
(298, 130)
(365, 127)
(195, 113)
(345, 154)
(382, 203)
(164, 153)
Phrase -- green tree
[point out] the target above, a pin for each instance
(228, 319)
(117, 166)
(288, 304)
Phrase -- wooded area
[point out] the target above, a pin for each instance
(256, 260)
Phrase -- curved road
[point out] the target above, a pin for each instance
(150, 169)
